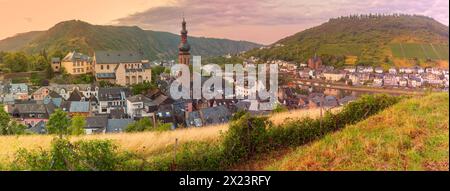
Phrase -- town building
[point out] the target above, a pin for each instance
(139, 106)
(378, 70)
(121, 67)
(111, 99)
(29, 114)
(392, 71)
(315, 62)
(74, 63)
(14, 91)
(333, 76)
(96, 124)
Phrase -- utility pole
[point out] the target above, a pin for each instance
(321, 108)
(174, 164)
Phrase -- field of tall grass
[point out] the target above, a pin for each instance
(144, 143)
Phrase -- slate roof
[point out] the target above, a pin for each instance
(53, 94)
(75, 96)
(28, 108)
(74, 56)
(114, 57)
(215, 115)
(79, 107)
(18, 88)
(111, 94)
(118, 113)
(117, 125)
(70, 87)
(96, 122)
(39, 128)
(139, 98)
(56, 59)
(163, 99)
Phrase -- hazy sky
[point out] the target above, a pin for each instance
(260, 21)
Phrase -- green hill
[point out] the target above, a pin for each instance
(411, 135)
(372, 39)
(84, 37)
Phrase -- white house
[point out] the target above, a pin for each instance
(392, 71)
(378, 70)
(138, 106)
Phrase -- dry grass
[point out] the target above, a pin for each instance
(146, 143)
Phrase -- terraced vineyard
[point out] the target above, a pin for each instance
(420, 51)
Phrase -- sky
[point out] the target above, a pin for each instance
(262, 21)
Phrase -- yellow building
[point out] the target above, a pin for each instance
(121, 67)
(75, 63)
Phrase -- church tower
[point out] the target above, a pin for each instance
(184, 57)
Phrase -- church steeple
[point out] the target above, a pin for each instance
(184, 47)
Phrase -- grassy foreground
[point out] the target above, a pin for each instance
(145, 143)
(412, 135)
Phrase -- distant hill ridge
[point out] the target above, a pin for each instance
(370, 39)
(84, 37)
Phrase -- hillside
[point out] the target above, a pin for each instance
(84, 37)
(412, 135)
(368, 40)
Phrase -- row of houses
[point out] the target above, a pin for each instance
(410, 77)
(109, 110)
(293, 100)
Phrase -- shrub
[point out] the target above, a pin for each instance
(245, 137)
(199, 156)
(81, 155)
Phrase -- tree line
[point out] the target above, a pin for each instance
(23, 62)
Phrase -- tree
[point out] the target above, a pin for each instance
(156, 71)
(2, 54)
(40, 63)
(4, 121)
(8, 127)
(58, 123)
(16, 62)
(139, 126)
(142, 88)
(58, 54)
(77, 125)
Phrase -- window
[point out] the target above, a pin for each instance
(74, 71)
(101, 67)
(107, 67)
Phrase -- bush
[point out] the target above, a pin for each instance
(245, 137)
(145, 124)
(96, 155)
(199, 156)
